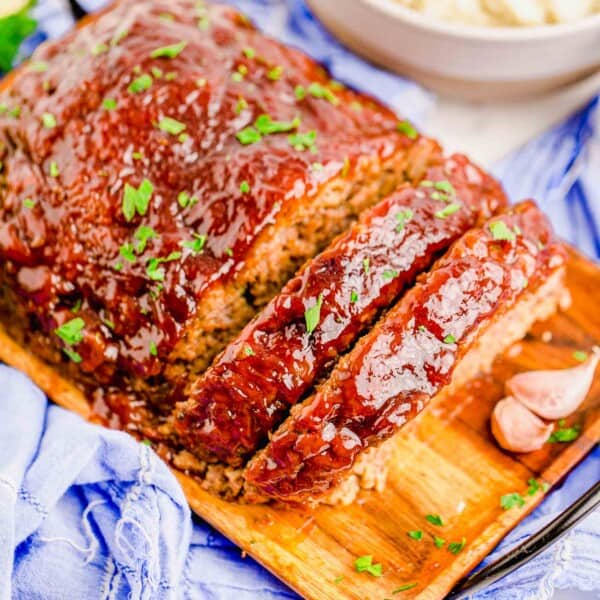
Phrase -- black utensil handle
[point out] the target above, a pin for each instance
(530, 548)
(77, 10)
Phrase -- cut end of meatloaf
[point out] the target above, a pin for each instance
(157, 189)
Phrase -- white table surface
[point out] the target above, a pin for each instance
(489, 131)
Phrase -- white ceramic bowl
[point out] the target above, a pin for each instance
(463, 60)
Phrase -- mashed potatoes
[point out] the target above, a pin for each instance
(497, 13)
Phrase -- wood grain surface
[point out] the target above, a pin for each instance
(445, 463)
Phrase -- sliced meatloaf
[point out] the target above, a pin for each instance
(483, 295)
(165, 169)
(280, 355)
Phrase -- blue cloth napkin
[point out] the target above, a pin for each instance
(90, 513)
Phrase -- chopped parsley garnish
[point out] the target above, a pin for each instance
(141, 83)
(137, 200)
(312, 315)
(407, 129)
(127, 252)
(74, 356)
(240, 105)
(389, 274)
(153, 349)
(405, 587)
(38, 66)
(143, 235)
(48, 120)
(338, 579)
(184, 199)
(266, 125)
(137, 155)
(195, 245)
(28, 203)
(303, 141)
(71, 331)
(509, 501)
(438, 541)
(237, 77)
(353, 296)
(168, 51)
(249, 135)
(415, 535)
(98, 49)
(445, 186)
(365, 564)
(157, 273)
(316, 90)
(156, 72)
(300, 92)
(228, 251)
(435, 520)
(243, 69)
(170, 76)
(244, 187)
(109, 104)
(366, 263)
(580, 355)
(108, 323)
(456, 547)
(449, 339)
(54, 172)
(146, 442)
(171, 126)
(448, 210)
(248, 350)
(500, 231)
(249, 52)
(275, 73)
(118, 37)
(402, 218)
(563, 435)
(534, 486)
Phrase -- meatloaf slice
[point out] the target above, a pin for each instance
(165, 169)
(278, 357)
(482, 295)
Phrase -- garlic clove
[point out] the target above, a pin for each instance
(516, 428)
(554, 394)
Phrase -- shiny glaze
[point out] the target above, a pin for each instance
(62, 254)
(391, 374)
(275, 360)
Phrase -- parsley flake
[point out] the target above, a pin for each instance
(405, 587)
(316, 90)
(248, 350)
(534, 486)
(580, 355)
(153, 349)
(300, 92)
(449, 339)
(266, 126)
(366, 263)
(407, 129)
(312, 315)
(54, 172)
(248, 135)
(143, 235)
(500, 231)
(365, 564)
(140, 84)
(48, 120)
(74, 356)
(438, 541)
(240, 105)
(171, 126)
(456, 547)
(249, 52)
(402, 218)
(511, 500)
(353, 296)
(157, 273)
(303, 141)
(195, 245)
(126, 251)
(71, 331)
(563, 435)
(28, 203)
(435, 520)
(109, 104)
(137, 200)
(275, 73)
(168, 51)
(415, 535)
(448, 210)
(244, 187)
(389, 274)
(98, 49)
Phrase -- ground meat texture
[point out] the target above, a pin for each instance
(155, 163)
(319, 314)
(409, 355)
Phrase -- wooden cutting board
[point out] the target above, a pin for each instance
(447, 463)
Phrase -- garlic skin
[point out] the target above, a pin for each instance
(554, 394)
(516, 428)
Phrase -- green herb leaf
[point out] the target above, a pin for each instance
(98, 49)
(14, 28)
(580, 355)
(275, 73)
(534, 486)
(435, 520)
(563, 435)
(109, 104)
(153, 349)
(137, 200)
(126, 251)
(366, 263)
(71, 332)
(48, 120)
(171, 126)
(244, 187)
(389, 274)
(438, 541)
(146, 442)
(28, 203)
(303, 141)
(240, 105)
(141, 83)
(195, 245)
(449, 339)
(185, 200)
(249, 52)
(509, 501)
(267, 126)
(448, 210)
(353, 296)
(248, 135)
(456, 547)
(168, 51)
(402, 218)
(74, 356)
(320, 91)
(54, 172)
(154, 271)
(405, 587)
(300, 92)
(500, 231)
(416, 534)
(312, 315)
(365, 564)
(143, 235)
(407, 129)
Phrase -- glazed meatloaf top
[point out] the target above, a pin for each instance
(144, 156)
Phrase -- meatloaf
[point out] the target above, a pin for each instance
(280, 355)
(483, 295)
(165, 170)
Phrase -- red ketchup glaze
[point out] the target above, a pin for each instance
(276, 359)
(408, 357)
(74, 132)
